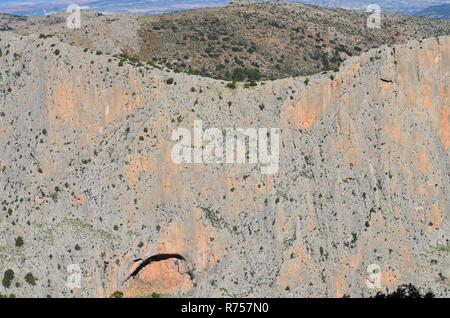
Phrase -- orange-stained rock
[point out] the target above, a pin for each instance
(89, 178)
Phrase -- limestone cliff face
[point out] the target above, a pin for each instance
(87, 178)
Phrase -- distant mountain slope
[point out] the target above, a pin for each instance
(43, 7)
(437, 12)
(275, 39)
(400, 6)
(265, 40)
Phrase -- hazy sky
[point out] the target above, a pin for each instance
(41, 7)
(27, 6)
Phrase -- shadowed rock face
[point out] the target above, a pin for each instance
(86, 176)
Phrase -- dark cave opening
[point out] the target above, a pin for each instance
(153, 259)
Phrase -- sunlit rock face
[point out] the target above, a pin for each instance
(87, 177)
